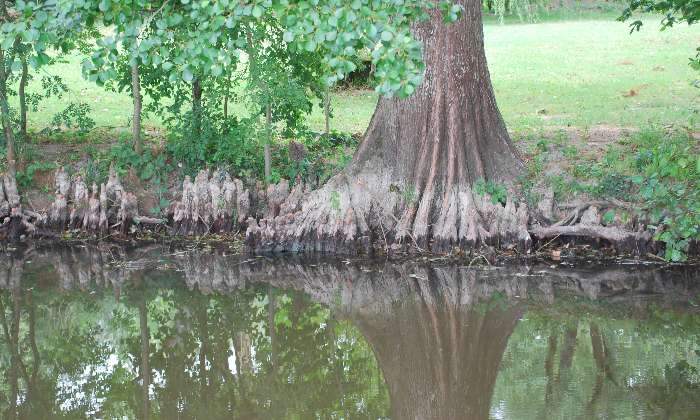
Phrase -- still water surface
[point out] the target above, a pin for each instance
(156, 334)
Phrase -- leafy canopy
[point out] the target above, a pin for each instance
(210, 35)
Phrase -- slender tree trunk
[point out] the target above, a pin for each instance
(4, 104)
(226, 94)
(410, 181)
(327, 110)
(268, 141)
(268, 111)
(6, 121)
(136, 92)
(226, 106)
(9, 135)
(21, 92)
(197, 106)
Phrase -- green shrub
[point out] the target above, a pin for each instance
(25, 177)
(662, 175)
(668, 181)
(497, 192)
(325, 155)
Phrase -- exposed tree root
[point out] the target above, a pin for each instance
(358, 211)
(585, 222)
(345, 217)
(364, 212)
(213, 203)
(14, 221)
(328, 222)
(108, 208)
(623, 240)
(102, 209)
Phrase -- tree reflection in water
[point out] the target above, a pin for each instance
(151, 334)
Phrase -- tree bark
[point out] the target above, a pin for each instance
(136, 92)
(4, 106)
(21, 92)
(268, 140)
(5, 112)
(410, 181)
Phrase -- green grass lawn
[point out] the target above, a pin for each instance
(583, 73)
(577, 73)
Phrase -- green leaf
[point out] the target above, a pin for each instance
(372, 31)
(187, 75)
(257, 12)
(43, 59)
(310, 45)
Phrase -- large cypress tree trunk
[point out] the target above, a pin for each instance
(410, 181)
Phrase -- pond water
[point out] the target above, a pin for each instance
(162, 334)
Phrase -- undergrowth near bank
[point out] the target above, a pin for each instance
(656, 173)
(308, 156)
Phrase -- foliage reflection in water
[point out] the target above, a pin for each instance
(151, 333)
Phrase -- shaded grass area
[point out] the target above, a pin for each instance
(574, 73)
